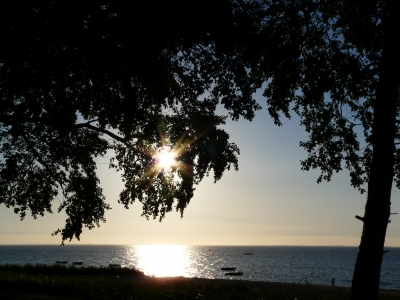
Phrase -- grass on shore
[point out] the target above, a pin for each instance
(34, 282)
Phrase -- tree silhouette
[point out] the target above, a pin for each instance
(80, 81)
(336, 64)
(77, 82)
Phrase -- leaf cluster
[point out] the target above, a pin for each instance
(321, 60)
(78, 82)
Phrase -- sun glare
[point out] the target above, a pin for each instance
(163, 260)
(166, 158)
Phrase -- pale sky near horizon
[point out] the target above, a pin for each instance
(269, 201)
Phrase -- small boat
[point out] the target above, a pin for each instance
(234, 273)
(114, 265)
(228, 268)
(77, 263)
(61, 261)
(248, 253)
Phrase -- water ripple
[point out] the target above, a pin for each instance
(317, 265)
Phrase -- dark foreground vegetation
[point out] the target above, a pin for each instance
(59, 282)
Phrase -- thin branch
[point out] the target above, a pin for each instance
(12, 120)
(105, 131)
(35, 152)
(78, 125)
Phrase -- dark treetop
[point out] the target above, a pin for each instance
(80, 81)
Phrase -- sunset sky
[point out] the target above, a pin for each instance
(270, 201)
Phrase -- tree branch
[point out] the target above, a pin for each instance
(12, 120)
(36, 154)
(105, 131)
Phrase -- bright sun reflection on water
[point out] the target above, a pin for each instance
(163, 260)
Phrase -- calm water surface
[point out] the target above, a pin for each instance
(316, 265)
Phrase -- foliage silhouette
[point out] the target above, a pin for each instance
(125, 79)
(336, 64)
(77, 82)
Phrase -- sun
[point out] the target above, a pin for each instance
(165, 158)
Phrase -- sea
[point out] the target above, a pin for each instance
(291, 264)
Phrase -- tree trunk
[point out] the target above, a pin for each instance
(366, 276)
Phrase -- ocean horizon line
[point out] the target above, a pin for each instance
(197, 245)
